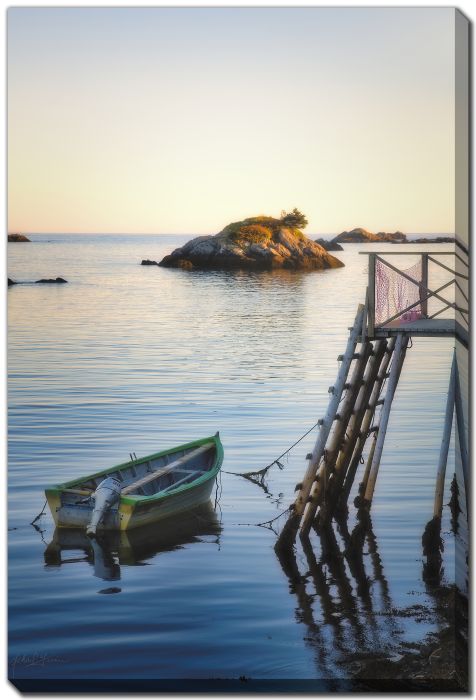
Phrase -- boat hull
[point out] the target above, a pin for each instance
(134, 511)
(143, 513)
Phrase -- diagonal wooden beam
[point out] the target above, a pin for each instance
(319, 489)
(418, 284)
(291, 527)
(445, 267)
(417, 303)
(366, 423)
(399, 356)
(461, 290)
(353, 431)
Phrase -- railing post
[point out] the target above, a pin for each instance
(423, 289)
(364, 317)
(371, 297)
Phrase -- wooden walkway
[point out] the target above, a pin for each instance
(425, 327)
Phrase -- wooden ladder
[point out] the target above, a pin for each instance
(344, 430)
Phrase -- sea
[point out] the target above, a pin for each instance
(126, 358)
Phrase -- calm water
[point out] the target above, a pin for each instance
(130, 358)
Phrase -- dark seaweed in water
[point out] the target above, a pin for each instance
(454, 504)
(378, 657)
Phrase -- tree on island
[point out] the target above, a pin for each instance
(295, 219)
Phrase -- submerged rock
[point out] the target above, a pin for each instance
(328, 245)
(257, 243)
(57, 280)
(18, 238)
(361, 235)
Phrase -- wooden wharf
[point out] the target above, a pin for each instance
(400, 304)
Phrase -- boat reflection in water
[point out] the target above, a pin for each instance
(111, 550)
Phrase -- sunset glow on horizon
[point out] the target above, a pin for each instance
(180, 120)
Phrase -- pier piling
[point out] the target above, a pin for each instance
(357, 412)
(354, 430)
(445, 443)
(395, 370)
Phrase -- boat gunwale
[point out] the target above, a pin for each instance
(135, 500)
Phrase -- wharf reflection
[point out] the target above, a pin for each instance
(111, 550)
(343, 597)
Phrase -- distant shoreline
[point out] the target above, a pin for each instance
(325, 236)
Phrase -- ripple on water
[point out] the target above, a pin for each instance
(126, 358)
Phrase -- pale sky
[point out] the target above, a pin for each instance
(181, 120)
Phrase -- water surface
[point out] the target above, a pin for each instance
(131, 358)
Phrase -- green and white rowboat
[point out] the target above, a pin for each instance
(151, 488)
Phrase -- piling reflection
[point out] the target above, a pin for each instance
(343, 597)
(111, 550)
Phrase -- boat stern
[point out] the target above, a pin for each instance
(53, 497)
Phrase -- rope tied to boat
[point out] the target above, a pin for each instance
(268, 523)
(258, 476)
(42, 512)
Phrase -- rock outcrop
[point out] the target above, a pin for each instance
(328, 245)
(361, 235)
(56, 280)
(149, 262)
(18, 238)
(257, 243)
(438, 239)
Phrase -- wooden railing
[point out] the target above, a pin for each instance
(425, 290)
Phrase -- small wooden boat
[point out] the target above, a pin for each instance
(151, 488)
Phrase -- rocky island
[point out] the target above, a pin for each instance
(51, 280)
(438, 239)
(44, 280)
(18, 238)
(257, 243)
(361, 235)
(328, 245)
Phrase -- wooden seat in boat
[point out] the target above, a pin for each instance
(165, 470)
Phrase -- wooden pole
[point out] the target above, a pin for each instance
(463, 447)
(318, 492)
(330, 415)
(354, 427)
(371, 297)
(365, 479)
(366, 423)
(292, 524)
(445, 443)
(398, 358)
(424, 280)
(363, 335)
(344, 417)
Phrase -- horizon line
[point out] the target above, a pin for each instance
(186, 233)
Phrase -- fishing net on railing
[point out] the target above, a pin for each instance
(394, 294)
